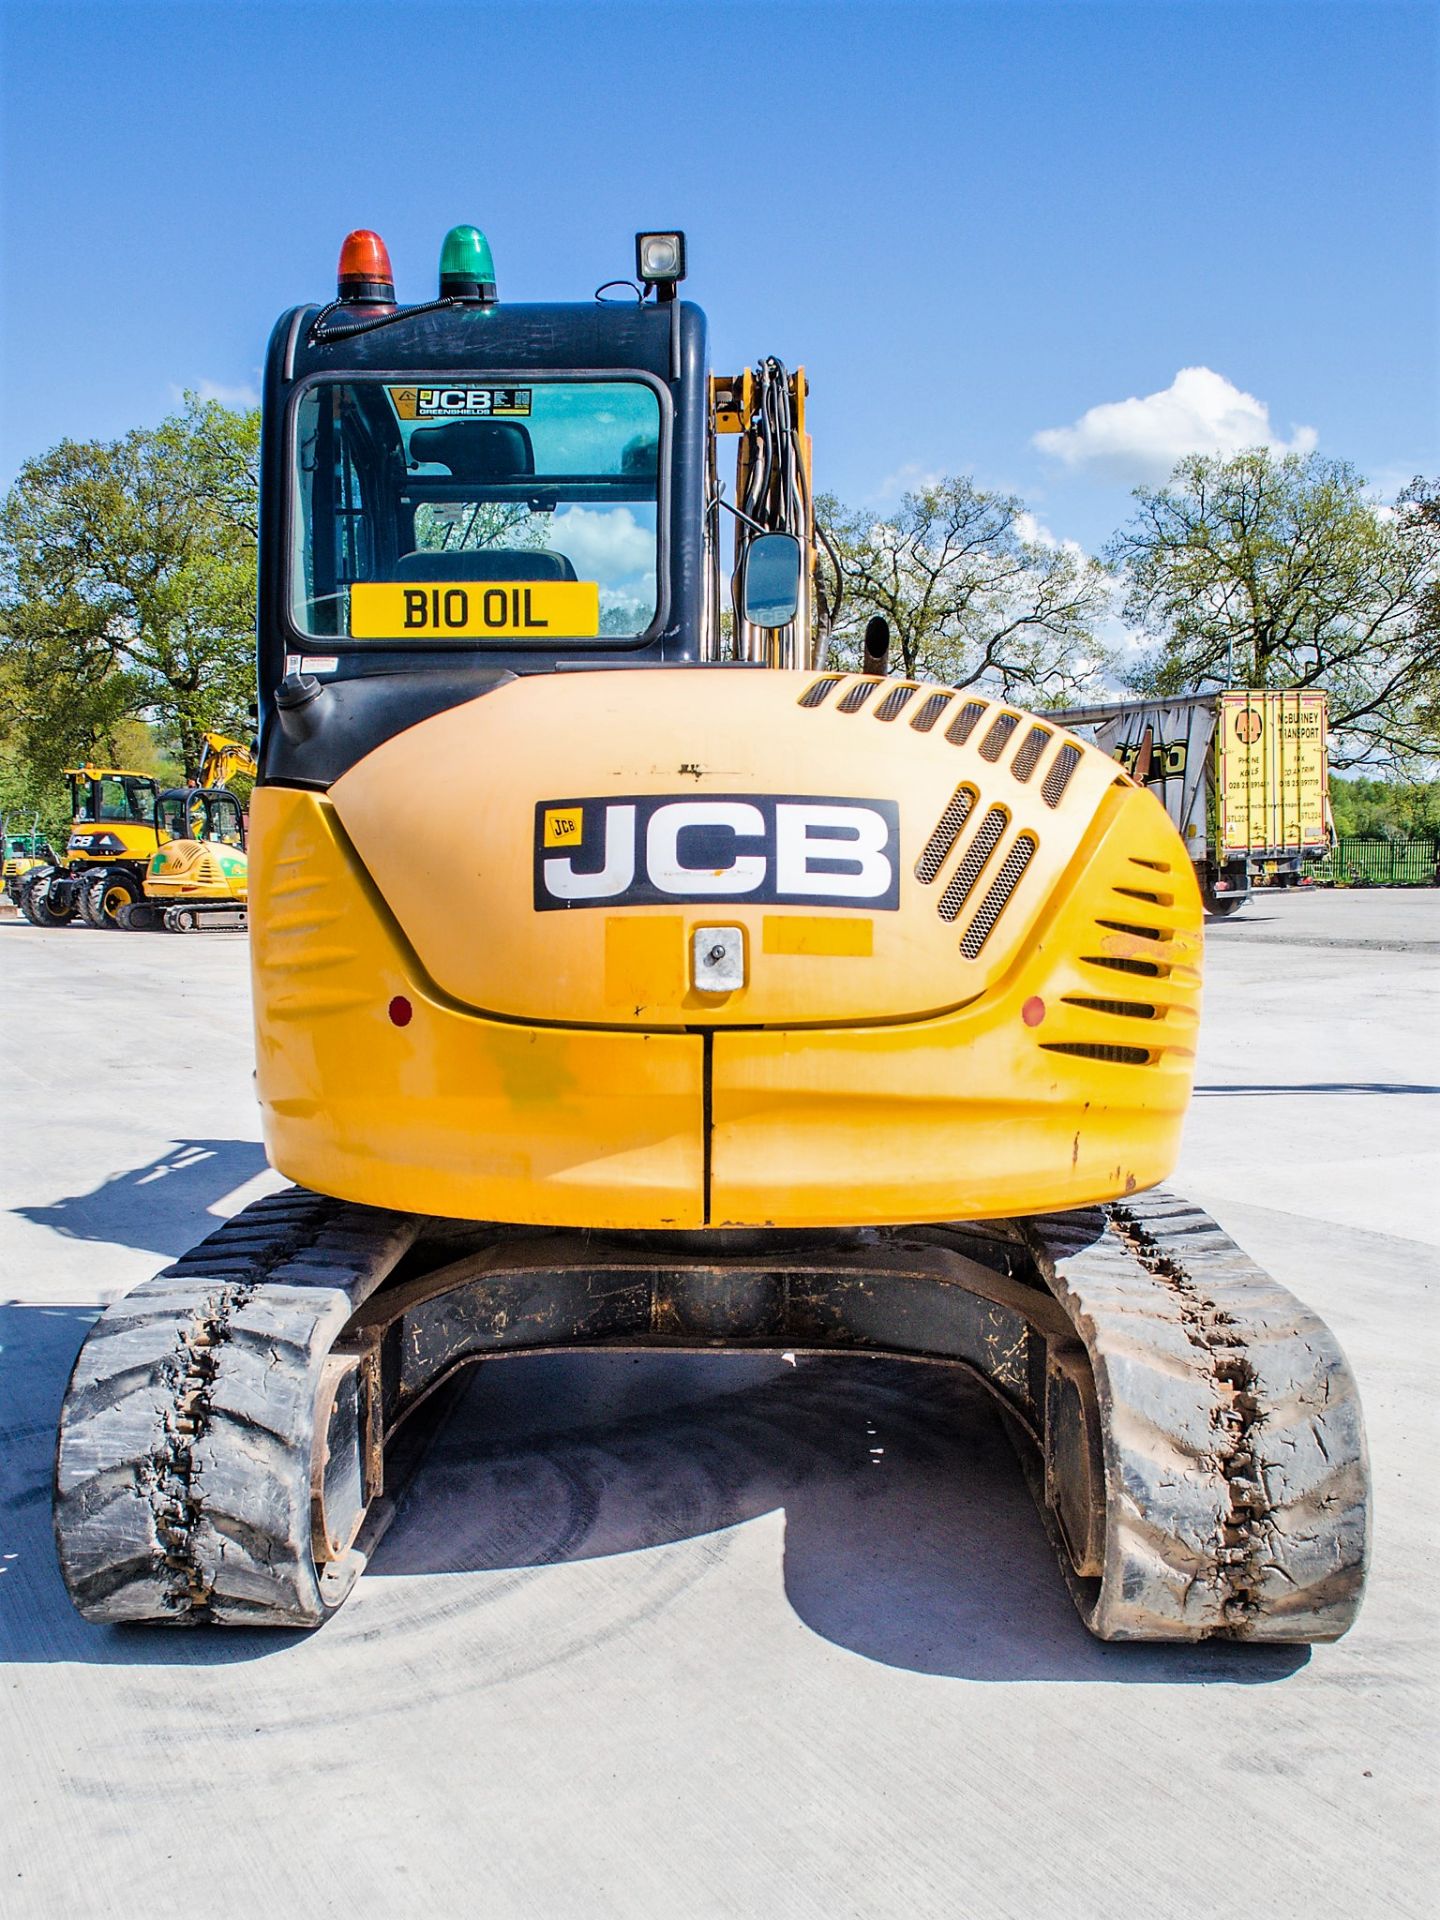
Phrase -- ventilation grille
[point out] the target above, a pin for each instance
(858, 695)
(1083, 1050)
(1148, 899)
(1149, 969)
(947, 832)
(1122, 1009)
(895, 702)
(977, 855)
(993, 745)
(965, 722)
(1062, 769)
(925, 714)
(930, 711)
(1151, 966)
(994, 903)
(1027, 757)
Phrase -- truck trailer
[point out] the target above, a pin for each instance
(1244, 776)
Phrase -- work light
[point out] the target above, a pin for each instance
(660, 261)
(365, 275)
(467, 271)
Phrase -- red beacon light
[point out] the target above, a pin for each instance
(365, 276)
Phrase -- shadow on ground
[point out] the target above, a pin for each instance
(1300, 1089)
(163, 1206)
(909, 1537)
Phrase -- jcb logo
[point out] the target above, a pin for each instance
(769, 849)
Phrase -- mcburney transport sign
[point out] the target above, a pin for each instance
(1270, 764)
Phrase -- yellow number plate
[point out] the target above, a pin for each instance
(475, 610)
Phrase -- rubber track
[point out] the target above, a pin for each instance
(1234, 1454)
(1235, 1462)
(182, 1476)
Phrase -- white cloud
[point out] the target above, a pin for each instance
(1035, 533)
(1199, 412)
(241, 396)
(604, 543)
(910, 478)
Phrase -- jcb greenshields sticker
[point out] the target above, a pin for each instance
(772, 849)
(461, 403)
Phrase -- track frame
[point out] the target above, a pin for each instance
(235, 1434)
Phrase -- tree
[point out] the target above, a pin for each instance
(973, 594)
(1269, 571)
(1385, 809)
(127, 587)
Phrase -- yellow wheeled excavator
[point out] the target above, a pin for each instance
(625, 978)
(111, 839)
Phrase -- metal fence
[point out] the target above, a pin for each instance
(1380, 863)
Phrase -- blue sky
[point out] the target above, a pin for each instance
(973, 223)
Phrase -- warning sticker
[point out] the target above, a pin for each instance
(461, 403)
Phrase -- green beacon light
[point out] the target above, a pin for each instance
(466, 270)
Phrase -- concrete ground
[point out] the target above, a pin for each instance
(666, 1636)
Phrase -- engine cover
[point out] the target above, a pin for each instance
(668, 949)
(880, 850)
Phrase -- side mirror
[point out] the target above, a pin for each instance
(770, 580)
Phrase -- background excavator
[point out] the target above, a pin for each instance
(625, 978)
(182, 851)
(23, 851)
(198, 873)
(110, 842)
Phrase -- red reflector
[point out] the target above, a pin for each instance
(365, 269)
(1033, 1011)
(401, 1011)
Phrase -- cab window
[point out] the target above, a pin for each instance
(120, 798)
(454, 511)
(172, 817)
(224, 823)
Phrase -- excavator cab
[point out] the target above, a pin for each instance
(625, 976)
(200, 814)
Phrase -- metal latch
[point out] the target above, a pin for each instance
(717, 959)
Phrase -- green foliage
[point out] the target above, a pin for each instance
(127, 588)
(1262, 571)
(973, 595)
(1365, 809)
(26, 800)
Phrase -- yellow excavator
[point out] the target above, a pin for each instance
(198, 874)
(227, 763)
(111, 840)
(626, 978)
(133, 859)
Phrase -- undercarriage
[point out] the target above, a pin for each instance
(235, 1432)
